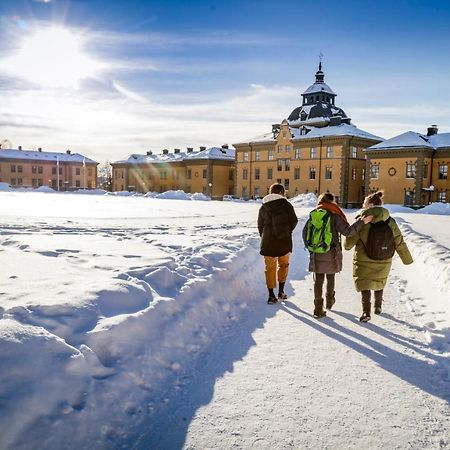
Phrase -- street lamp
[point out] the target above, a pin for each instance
(210, 190)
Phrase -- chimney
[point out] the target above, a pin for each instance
(176, 150)
(149, 153)
(276, 129)
(68, 152)
(202, 148)
(432, 130)
(225, 146)
(20, 147)
(165, 152)
(40, 149)
(190, 149)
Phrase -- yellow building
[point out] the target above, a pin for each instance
(316, 149)
(412, 168)
(60, 171)
(208, 171)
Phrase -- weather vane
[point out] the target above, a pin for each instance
(320, 56)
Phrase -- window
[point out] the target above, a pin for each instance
(313, 153)
(410, 170)
(298, 153)
(312, 173)
(231, 175)
(257, 174)
(34, 182)
(163, 175)
(442, 197)
(280, 149)
(297, 173)
(425, 170)
(60, 171)
(89, 171)
(33, 169)
(78, 171)
(329, 152)
(353, 173)
(245, 156)
(354, 152)
(40, 170)
(40, 182)
(270, 155)
(19, 181)
(77, 183)
(245, 192)
(13, 168)
(189, 174)
(287, 164)
(13, 182)
(205, 173)
(328, 172)
(20, 169)
(256, 193)
(442, 171)
(53, 170)
(245, 174)
(288, 148)
(286, 184)
(269, 174)
(257, 155)
(374, 171)
(279, 165)
(363, 174)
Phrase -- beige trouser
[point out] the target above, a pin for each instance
(273, 265)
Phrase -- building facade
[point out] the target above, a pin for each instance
(412, 169)
(60, 171)
(208, 171)
(316, 149)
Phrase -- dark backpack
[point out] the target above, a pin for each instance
(380, 243)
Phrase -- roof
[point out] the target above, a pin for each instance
(214, 153)
(343, 129)
(411, 139)
(34, 155)
(319, 87)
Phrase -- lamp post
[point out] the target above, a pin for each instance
(210, 190)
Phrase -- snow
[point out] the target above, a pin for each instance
(44, 156)
(343, 129)
(177, 195)
(319, 88)
(124, 317)
(413, 139)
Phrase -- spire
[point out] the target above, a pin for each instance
(319, 74)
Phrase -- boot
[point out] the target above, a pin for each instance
(272, 298)
(318, 308)
(378, 302)
(365, 317)
(331, 300)
(281, 294)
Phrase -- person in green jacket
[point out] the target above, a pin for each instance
(370, 274)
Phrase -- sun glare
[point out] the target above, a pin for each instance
(53, 58)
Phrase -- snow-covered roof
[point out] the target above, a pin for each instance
(216, 153)
(319, 87)
(411, 139)
(44, 156)
(343, 129)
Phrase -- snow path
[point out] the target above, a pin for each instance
(298, 382)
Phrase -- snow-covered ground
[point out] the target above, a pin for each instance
(141, 322)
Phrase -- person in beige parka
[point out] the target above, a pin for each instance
(369, 274)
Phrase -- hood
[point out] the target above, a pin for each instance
(271, 197)
(378, 212)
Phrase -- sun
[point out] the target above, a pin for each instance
(53, 57)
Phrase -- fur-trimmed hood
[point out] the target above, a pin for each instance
(271, 197)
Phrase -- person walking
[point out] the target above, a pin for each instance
(375, 245)
(322, 237)
(276, 222)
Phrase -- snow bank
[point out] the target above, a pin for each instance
(304, 200)
(5, 187)
(44, 189)
(90, 191)
(437, 208)
(177, 195)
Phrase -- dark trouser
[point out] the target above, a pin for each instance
(319, 279)
(365, 297)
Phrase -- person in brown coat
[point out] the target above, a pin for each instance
(329, 263)
(276, 222)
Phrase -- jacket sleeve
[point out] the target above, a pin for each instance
(293, 220)
(304, 231)
(260, 222)
(400, 245)
(345, 229)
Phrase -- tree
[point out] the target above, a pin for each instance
(104, 176)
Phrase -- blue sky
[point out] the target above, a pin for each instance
(164, 74)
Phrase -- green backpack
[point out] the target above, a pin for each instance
(318, 231)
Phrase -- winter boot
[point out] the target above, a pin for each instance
(272, 298)
(365, 317)
(318, 308)
(331, 300)
(281, 294)
(378, 302)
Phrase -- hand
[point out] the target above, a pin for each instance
(367, 219)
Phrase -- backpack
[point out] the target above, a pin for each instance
(380, 243)
(318, 231)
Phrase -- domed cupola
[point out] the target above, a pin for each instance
(318, 108)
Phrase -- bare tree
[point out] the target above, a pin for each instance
(104, 176)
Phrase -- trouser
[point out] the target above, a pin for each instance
(319, 279)
(276, 267)
(365, 298)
